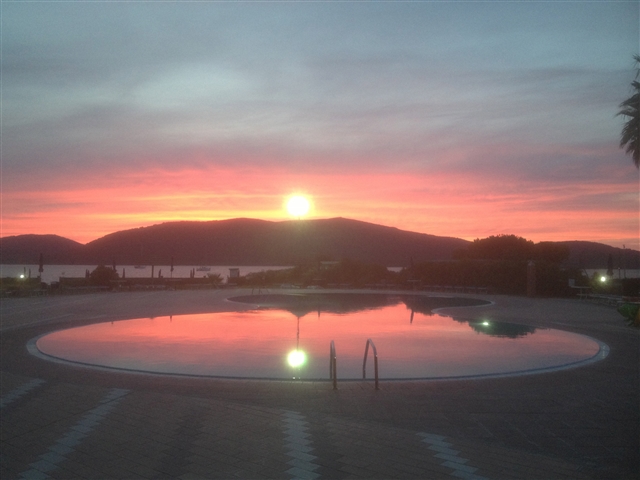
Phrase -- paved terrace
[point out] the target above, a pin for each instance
(71, 422)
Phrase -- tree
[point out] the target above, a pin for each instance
(500, 247)
(630, 108)
(215, 278)
(551, 252)
(103, 276)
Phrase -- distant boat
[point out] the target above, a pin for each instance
(203, 269)
(140, 267)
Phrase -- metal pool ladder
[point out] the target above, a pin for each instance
(375, 361)
(332, 365)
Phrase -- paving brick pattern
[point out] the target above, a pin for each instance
(151, 435)
(66, 422)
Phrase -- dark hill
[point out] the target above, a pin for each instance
(26, 249)
(596, 255)
(259, 242)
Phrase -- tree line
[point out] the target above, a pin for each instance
(498, 263)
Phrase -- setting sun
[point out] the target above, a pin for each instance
(207, 135)
(298, 206)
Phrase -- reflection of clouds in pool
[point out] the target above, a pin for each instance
(256, 344)
(241, 344)
(482, 355)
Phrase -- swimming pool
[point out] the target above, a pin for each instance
(412, 342)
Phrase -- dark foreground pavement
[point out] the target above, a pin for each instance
(60, 421)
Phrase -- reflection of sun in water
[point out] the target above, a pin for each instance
(298, 206)
(296, 358)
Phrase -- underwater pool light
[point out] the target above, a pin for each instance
(296, 358)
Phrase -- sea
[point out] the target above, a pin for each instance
(52, 273)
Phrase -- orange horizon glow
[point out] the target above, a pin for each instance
(452, 205)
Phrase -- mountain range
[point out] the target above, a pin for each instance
(244, 241)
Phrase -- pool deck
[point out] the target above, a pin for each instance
(60, 421)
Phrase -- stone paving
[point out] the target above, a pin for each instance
(59, 421)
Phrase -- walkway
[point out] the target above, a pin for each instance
(67, 422)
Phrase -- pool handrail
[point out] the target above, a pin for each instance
(375, 361)
(332, 365)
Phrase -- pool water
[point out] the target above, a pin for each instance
(412, 343)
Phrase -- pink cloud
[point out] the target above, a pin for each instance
(447, 204)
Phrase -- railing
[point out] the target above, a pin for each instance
(332, 365)
(375, 361)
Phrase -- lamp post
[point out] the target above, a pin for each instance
(40, 267)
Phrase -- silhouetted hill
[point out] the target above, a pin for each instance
(596, 255)
(257, 242)
(26, 249)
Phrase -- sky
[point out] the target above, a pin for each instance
(452, 118)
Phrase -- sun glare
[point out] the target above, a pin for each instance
(296, 358)
(298, 206)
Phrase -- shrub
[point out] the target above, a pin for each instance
(103, 276)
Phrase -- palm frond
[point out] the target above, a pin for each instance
(630, 134)
(632, 102)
